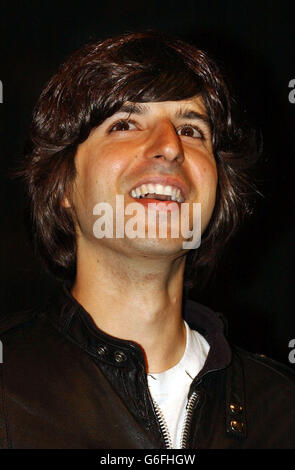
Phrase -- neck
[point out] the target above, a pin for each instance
(136, 299)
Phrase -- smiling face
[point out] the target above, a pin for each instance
(147, 152)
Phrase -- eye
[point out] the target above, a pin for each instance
(190, 131)
(122, 125)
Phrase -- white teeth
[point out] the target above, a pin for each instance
(158, 188)
(143, 189)
(168, 190)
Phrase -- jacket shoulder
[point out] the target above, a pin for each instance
(12, 324)
(15, 320)
(267, 390)
(266, 366)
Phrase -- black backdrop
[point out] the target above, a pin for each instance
(254, 42)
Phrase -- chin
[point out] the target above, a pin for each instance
(157, 247)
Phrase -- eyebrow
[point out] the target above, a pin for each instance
(141, 109)
(191, 114)
(133, 108)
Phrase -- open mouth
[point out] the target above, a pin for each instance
(157, 192)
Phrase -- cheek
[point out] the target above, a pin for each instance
(98, 171)
(205, 177)
(109, 159)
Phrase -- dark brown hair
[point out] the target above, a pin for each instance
(92, 85)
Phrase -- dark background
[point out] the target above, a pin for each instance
(254, 43)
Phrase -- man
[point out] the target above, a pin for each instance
(121, 358)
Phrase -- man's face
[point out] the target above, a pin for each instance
(158, 143)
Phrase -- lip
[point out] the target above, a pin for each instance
(165, 181)
(159, 206)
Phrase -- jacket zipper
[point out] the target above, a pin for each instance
(163, 425)
(187, 422)
(186, 425)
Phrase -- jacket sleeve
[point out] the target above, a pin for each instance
(3, 421)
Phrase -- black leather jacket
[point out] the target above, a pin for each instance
(64, 384)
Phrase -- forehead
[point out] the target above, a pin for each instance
(178, 106)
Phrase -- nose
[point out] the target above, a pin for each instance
(164, 144)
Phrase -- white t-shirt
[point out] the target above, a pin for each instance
(169, 389)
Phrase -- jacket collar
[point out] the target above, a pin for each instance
(73, 321)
